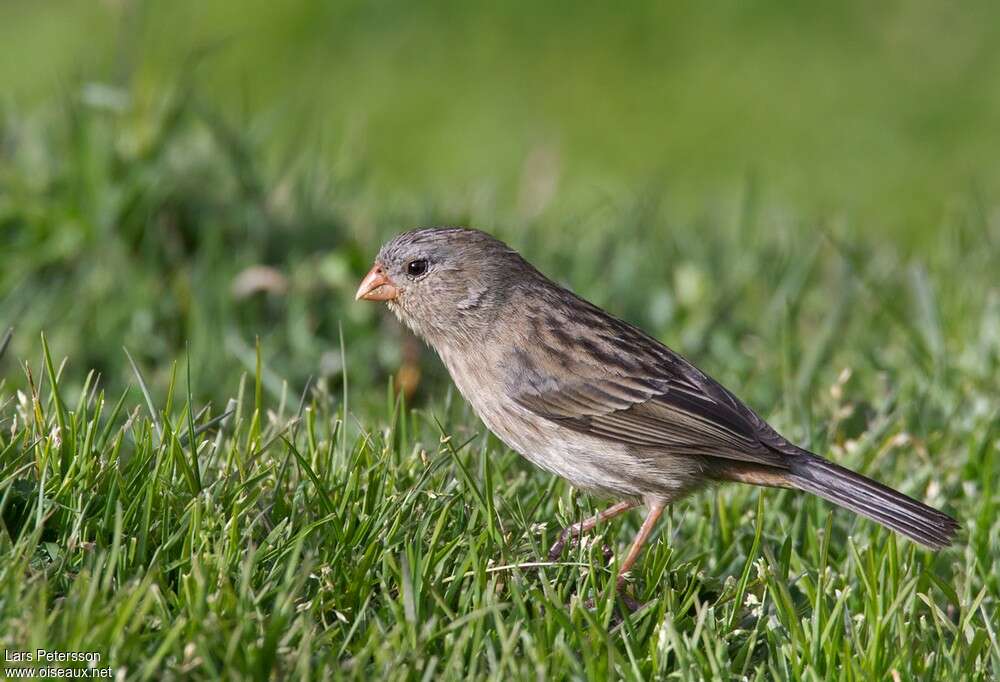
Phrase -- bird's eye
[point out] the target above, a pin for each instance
(415, 268)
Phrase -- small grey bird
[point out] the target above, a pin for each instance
(594, 399)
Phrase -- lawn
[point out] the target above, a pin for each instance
(215, 464)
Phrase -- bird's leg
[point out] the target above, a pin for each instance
(581, 527)
(648, 524)
(655, 511)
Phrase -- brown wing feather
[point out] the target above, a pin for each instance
(668, 421)
(631, 389)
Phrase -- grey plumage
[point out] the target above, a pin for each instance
(594, 399)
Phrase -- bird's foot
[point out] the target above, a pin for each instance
(556, 550)
(608, 554)
(567, 535)
(627, 600)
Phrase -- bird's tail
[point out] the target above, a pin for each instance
(871, 499)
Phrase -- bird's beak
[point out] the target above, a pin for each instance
(376, 286)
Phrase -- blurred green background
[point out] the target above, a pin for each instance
(885, 108)
(154, 151)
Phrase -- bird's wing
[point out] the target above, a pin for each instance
(664, 404)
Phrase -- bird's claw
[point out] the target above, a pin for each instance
(608, 554)
(630, 603)
(556, 550)
(565, 535)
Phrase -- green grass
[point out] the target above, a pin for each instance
(274, 543)
(242, 494)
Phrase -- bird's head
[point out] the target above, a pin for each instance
(446, 284)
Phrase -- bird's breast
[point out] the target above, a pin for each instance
(589, 463)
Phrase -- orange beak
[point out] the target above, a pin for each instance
(376, 286)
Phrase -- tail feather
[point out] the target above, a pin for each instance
(871, 499)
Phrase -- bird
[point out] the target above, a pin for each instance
(594, 399)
